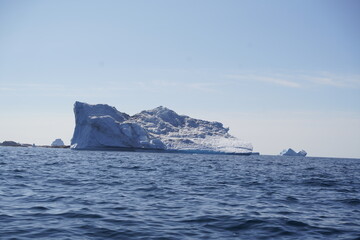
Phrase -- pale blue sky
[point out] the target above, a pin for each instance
(278, 73)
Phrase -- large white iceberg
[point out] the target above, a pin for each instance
(103, 127)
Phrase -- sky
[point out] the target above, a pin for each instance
(278, 73)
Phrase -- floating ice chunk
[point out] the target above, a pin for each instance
(57, 143)
(291, 152)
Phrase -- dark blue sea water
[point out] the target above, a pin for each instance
(65, 194)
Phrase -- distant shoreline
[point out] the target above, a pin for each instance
(14, 144)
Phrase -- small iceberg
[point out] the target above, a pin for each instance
(291, 152)
(57, 143)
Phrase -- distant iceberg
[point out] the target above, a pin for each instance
(57, 143)
(102, 127)
(291, 152)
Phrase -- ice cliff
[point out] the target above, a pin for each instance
(103, 127)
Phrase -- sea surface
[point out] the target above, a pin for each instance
(66, 194)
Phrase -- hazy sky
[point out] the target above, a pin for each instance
(279, 73)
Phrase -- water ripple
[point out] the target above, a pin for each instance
(63, 194)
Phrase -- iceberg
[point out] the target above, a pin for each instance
(291, 152)
(102, 127)
(57, 143)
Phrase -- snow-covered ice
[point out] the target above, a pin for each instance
(103, 127)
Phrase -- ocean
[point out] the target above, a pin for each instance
(67, 194)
